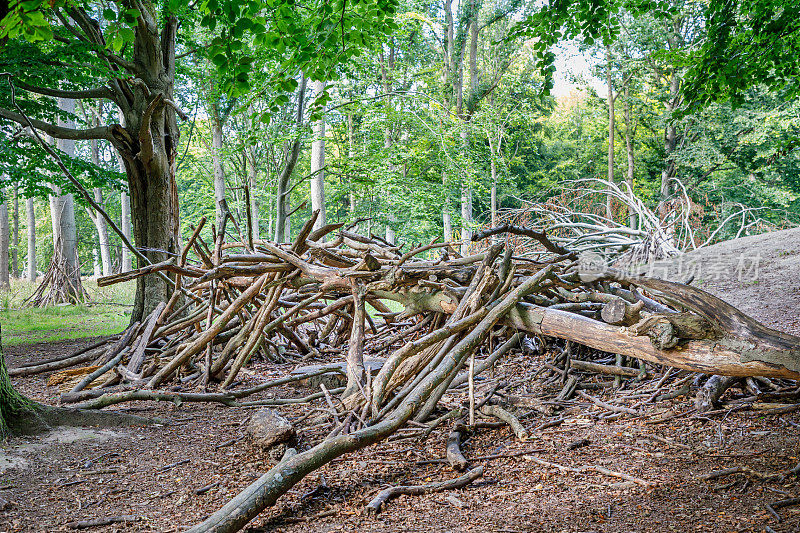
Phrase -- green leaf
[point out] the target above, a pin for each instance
(127, 35)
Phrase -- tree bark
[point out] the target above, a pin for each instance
(466, 188)
(252, 183)
(126, 257)
(148, 147)
(92, 116)
(318, 163)
(12, 403)
(493, 148)
(30, 211)
(351, 154)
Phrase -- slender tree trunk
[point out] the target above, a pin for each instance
(5, 282)
(102, 234)
(30, 211)
(633, 223)
(610, 83)
(466, 218)
(670, 135)
(493, 149)
(283, 225)
(351, 155)
(318, 163)
(216, 158)
(252, 184)
(447, 217)
(449, 76)
(466, 188)
(15, 235)
(98, 271)
(126, 257)
(387, 72)
(99, 221)
(125, 223)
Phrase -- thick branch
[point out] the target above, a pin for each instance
(99, 92)
(59, 132)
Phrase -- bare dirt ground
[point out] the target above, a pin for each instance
(171, 477)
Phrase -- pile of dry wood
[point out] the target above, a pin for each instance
(337, 300)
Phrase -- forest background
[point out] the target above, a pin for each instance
(436, 125)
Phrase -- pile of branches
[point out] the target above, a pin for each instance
(60, 286)
(336, 301)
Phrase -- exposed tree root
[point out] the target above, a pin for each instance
(374, 506)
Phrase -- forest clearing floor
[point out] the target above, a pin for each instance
(154, 473)
(171, 477)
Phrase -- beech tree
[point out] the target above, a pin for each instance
(126, 54)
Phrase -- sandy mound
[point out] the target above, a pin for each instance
(759, 274)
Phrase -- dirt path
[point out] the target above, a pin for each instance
(154, 473)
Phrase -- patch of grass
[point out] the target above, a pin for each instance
(107, 312)
(394, 307)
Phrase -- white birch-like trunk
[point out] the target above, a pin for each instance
(30, 215)
(318, 162)
(15, 235)
(5, 281)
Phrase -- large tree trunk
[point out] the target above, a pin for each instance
(5, 282)
(62, 213)
(282, 194)
(318, 163)
(148, 146)
(30, 212)
(15, 235)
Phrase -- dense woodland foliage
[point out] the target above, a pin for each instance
(407, 116)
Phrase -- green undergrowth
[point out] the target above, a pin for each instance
(107, 312)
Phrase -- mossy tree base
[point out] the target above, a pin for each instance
(22, 416)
